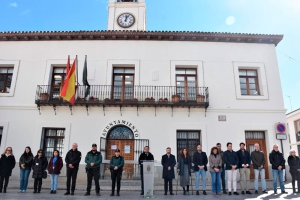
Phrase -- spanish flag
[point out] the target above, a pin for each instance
(68, 90)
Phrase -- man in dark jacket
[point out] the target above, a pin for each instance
(200, 161)
(72, 160)
(258, 160)
(93, 159)
(231, 160)
(168, 162)
(278, 164)
(223, 168)
(146, 155)
(244, 166)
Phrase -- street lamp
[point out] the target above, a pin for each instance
(290, 102)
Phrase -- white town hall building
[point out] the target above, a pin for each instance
(159, 88)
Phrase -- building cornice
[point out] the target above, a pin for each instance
(141, 35)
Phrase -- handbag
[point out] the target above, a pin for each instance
(44, 175)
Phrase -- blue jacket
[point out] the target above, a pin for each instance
(230, 158)
(246, 159)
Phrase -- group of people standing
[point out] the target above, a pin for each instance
(229, 162)
(220, 162)
(40, 165)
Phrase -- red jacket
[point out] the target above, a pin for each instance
(57, 168)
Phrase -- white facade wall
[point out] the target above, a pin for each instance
(216, 64)
(290, 119)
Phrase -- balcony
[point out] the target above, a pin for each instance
(126, 96)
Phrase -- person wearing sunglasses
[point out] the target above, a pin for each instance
(7, 163)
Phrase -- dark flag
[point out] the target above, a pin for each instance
(84, 79)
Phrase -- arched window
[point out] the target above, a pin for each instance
(120, 132)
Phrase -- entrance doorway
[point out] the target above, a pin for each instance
(121, 137)
(253, 137)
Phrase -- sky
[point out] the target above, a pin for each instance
(235, 16)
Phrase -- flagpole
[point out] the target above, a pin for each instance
(77, 70)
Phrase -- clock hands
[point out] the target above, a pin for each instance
(126, 17)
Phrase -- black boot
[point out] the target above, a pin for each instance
(4, 190)
(112, 194)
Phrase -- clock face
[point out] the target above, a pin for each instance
(126, 20)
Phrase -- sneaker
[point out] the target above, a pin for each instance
(248, 192)
(229, 193)
(24, 191)
(51, 192)
(197, 193)
(87, 194)
(295, 193)
(265, 192)
(118, 194)
(112, 194)
(98, 194)
(20, 191)
(243, 192)
(235, 193)
(256, 192)
(204, 192)
(283, 192)
(67, 193)
(224, 192)
(275, 192)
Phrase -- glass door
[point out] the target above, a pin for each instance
(123, 83)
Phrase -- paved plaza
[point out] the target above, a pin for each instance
(13, 194)
(130, 190)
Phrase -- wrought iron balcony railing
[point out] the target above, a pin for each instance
(127, 95)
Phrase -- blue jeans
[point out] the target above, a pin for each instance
(203, 174)
(216, 182)
(223, 178)
(54, 181)
(24, 174)
(277, 173)
(262, 178)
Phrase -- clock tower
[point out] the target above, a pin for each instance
(126, 15)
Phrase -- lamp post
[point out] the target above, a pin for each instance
(290, 102)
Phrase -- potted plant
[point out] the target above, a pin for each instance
(175, 98)
(44, 96)
(163, 100)
(80, 99)
(151, 99)
(200, 98)
(107, 100)
(131, 100)
(93, 99)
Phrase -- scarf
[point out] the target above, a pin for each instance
(54, 161)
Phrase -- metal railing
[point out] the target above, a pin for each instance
(129, 94)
